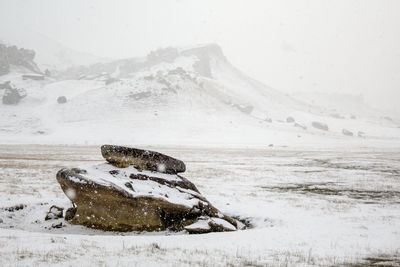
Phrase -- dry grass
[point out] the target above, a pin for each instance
(298, 179)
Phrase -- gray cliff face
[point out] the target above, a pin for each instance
(12, 55)
(205, 54)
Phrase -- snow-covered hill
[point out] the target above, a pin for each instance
(180, 96)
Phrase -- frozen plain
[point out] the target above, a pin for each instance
(307, 207)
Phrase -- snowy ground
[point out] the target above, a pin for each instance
(309, 207)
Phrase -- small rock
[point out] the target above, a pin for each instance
(6, 85)
(111, 80)
(247, 109)
(58, 225)
(61, 100)
(70, 213)
(360, 134)
(140, 95)
(290, 119)
(388, 118)
(337, 116)
(207, 225)
(114, 172)
(347, 132)
(54, 213)
(320, 125)
(300, 126)
(15, 208)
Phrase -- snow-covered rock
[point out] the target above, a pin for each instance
(130, 199)
(121, 157)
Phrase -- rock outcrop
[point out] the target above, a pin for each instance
(12, 55)
(13, 96)
(132, 194)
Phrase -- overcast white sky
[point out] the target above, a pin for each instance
(332, 46)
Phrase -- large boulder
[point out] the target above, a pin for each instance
(129, 199)
(121, 156)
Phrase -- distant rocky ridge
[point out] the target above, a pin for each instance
(127, 66)
(195, 88)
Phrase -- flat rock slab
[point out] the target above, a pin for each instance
(128, 199)
(122, 157)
